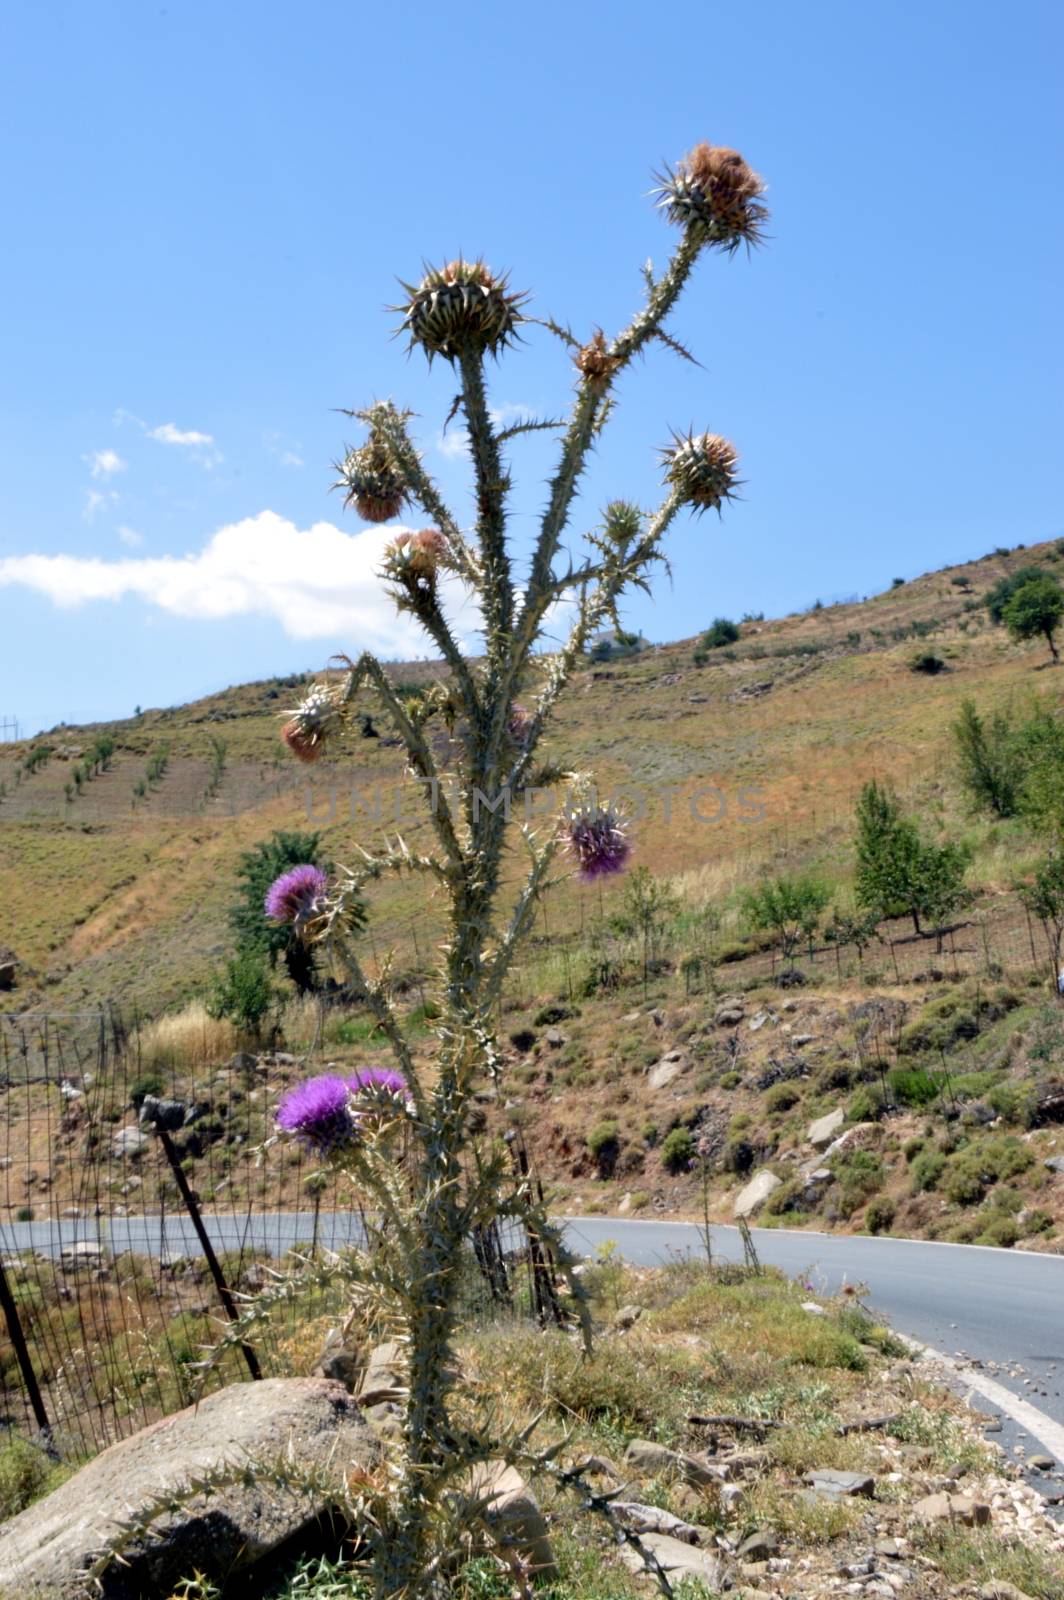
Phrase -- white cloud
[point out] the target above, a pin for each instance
(96, 500)
(104, 463)
(317, 583)
(286, 450)
(131, 537)
(166, 433)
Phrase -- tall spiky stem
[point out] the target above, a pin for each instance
(462, 313)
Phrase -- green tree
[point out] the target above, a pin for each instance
(720, 632)
(997, 598)
(1040, 760)
(988, 759)
(897, 872)
(789, 907)
(1044, 899)
(243, 992)
(1035, 610)
(648, 904)
(257, 870)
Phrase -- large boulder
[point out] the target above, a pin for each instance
(679, 1560)
(752, 1196)
(821, 1132)
(46, 1551)
(511, 1514)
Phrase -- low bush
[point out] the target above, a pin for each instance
(677, 1152)
(781, 1097)
(879, 1214)
(604, 1143)
(927, 1169)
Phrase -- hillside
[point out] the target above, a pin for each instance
(118, 893)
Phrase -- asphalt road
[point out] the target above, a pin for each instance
(1001, 1306)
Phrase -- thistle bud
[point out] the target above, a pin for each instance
(714, 191)
(415, 559)
(462, 306)
(312, 723)
(372, 483)
(594, 362)
(702, 468)
(519, 725)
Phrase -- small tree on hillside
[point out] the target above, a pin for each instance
(721, 631)
(788, 907)
(898, 873)
(1044, 898)
(1035, 610)
(997, 598)
(649, 903)
(988, 759)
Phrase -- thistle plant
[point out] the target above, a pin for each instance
(407, 1137)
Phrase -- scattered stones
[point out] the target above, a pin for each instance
(648, 1460)
(47, 1548)
(754, 1194)
(943, 1507)
(821, 1132)
(829, 1481)
(652, 1519)
(129, 1143)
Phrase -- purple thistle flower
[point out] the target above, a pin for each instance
(319, 1111)
(598, 840)
(296, 895)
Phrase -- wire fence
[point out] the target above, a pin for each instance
(140, 1208)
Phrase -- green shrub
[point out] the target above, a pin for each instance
(866, 1104)
(879, 1215)
(912, 1148)
(148, 1083)
(1015, 1102)
(928, 662)
(678, 1150)
(604, 1143)
(978, 1166)
(731, 1080)
(739, 1156)
(649, 1132)
(859, 1174)
(721, 631)
(781, 1097)
(911, 1086)
(927, 1169)
(24, 1475)
(1003, 1231)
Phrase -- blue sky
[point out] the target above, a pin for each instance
(206, 207)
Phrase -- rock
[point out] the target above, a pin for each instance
(511, 1513)
(759, 1546)
(758, 1022)
(754, 1194)
(651, 1519)
(854, 1138)
(999, 1589)
(168, 1114)
(384, 1380)
(828, 1481)
(339, 1362)
(243, 1061)
(7, 974)
(679, 1560)
(129, 1143)
(554, 1038)
(86, 1253)
(46, 1549)
(650, 1460)
(729, 1016)
(668, 1068)
(1054, 1163)
(813, 1309)
(1042, 1463)
(944, 1507)
(821, 1132)
(627, 1316)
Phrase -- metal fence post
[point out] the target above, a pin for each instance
(22, 1354)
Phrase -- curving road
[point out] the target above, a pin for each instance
(997, 1306)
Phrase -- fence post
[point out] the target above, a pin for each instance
(22, 1354)
(213, 1263)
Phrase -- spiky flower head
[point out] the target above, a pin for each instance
(380, 1089)
(313, 722)
(320, 1112)
(597, 839)
(714, 191)
(298, 897)
(519, 725)
(371, 482)
(416, 557)
(594, 361)
(462, 306)
(702, 468)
